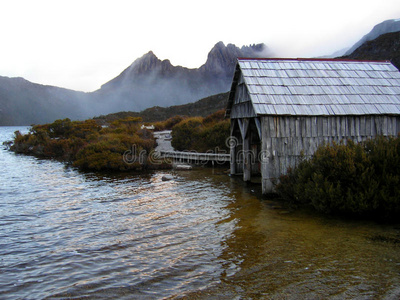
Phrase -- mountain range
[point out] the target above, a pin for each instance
(147, 82)
(151, 82)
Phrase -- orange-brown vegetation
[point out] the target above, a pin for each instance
(200, 134)
(87, 145)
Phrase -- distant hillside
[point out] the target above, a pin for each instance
(202, 108)
(385, 47)
(379, 29)
(25, 103)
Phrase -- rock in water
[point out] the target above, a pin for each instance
(167, 177)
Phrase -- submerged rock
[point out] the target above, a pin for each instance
(167, 177)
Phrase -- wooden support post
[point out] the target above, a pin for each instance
(233, 159)
(246, 150)
(258, 125)
(267, 167)
(246, 158)
(233, 144)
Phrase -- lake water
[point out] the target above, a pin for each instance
(65, 234)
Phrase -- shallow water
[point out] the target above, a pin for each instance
(68, 234)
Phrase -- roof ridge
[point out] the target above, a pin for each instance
(313, 59)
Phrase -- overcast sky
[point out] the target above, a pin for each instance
(81, 44)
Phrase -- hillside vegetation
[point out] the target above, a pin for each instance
(201, 108)
(385, 47)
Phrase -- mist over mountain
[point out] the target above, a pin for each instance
(149, 81)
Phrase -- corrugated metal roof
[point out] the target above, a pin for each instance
(320, 87)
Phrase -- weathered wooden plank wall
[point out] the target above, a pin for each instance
(286, 138)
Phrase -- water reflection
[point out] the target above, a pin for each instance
(280, 254)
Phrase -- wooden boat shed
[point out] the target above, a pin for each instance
(281, 109)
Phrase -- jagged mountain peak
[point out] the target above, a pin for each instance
(252, 50)
(147, 65)
(146, 58)
(219, 55)
(220, 45)
(222, 59)
(149, 62)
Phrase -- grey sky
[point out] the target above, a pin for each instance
(83, 44)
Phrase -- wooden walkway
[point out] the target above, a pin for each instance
(165, 150)
(195, 157)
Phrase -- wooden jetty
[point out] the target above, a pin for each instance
(196, 158)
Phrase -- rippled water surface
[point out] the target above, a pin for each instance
(66, 234)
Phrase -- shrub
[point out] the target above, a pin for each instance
(213, 138)
(87, 145)
(201, 134)
(354, 179)
(215, 117)
(168, 124)
(186, 133)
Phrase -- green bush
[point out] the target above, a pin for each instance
(213, 138)
(355, 179)
(186, 133)
(168, 124)
(201, 134)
